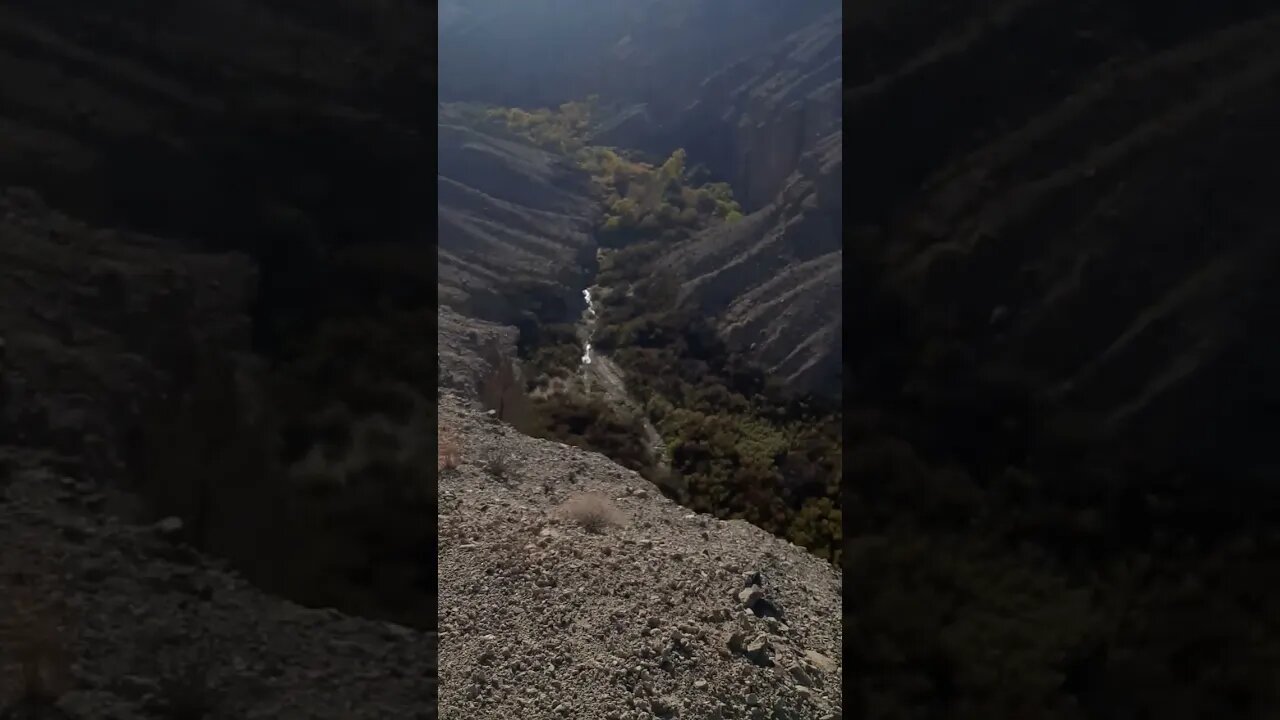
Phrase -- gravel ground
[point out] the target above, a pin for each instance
(129, 623)
(636, 608)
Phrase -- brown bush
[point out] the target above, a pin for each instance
(593, 511)
(449, 452)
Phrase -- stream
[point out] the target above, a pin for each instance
(589, 326)
(603, 375)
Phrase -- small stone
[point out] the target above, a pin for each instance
(665, 705)
(758, 652)
(820, 661)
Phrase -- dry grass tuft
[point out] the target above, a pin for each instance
(593, 511)
(497, 464)
(449, 453)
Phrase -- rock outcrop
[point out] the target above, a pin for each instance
(754, 119)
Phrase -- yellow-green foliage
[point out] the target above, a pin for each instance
(562, 129)
(641, 200)
(740, 449)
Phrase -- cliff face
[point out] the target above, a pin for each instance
(771, 124)
(753, 119)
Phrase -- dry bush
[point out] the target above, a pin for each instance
(497, 464)
(449, 452)
(592, 511)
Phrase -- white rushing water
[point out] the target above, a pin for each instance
(589, 321)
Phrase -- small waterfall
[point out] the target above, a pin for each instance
(589, 325)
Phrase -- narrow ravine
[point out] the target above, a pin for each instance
(600, 374)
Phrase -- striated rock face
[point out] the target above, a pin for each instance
(514, 226)
(753, 120)
(774, 278)
(770, 123)
(1095, 223)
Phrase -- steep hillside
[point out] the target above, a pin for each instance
(773, 280)
(1056, 263)
(569, 587)
(515, 225)
(1061, 239)
(758, 113)
(1032, 237)
(193, 177)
